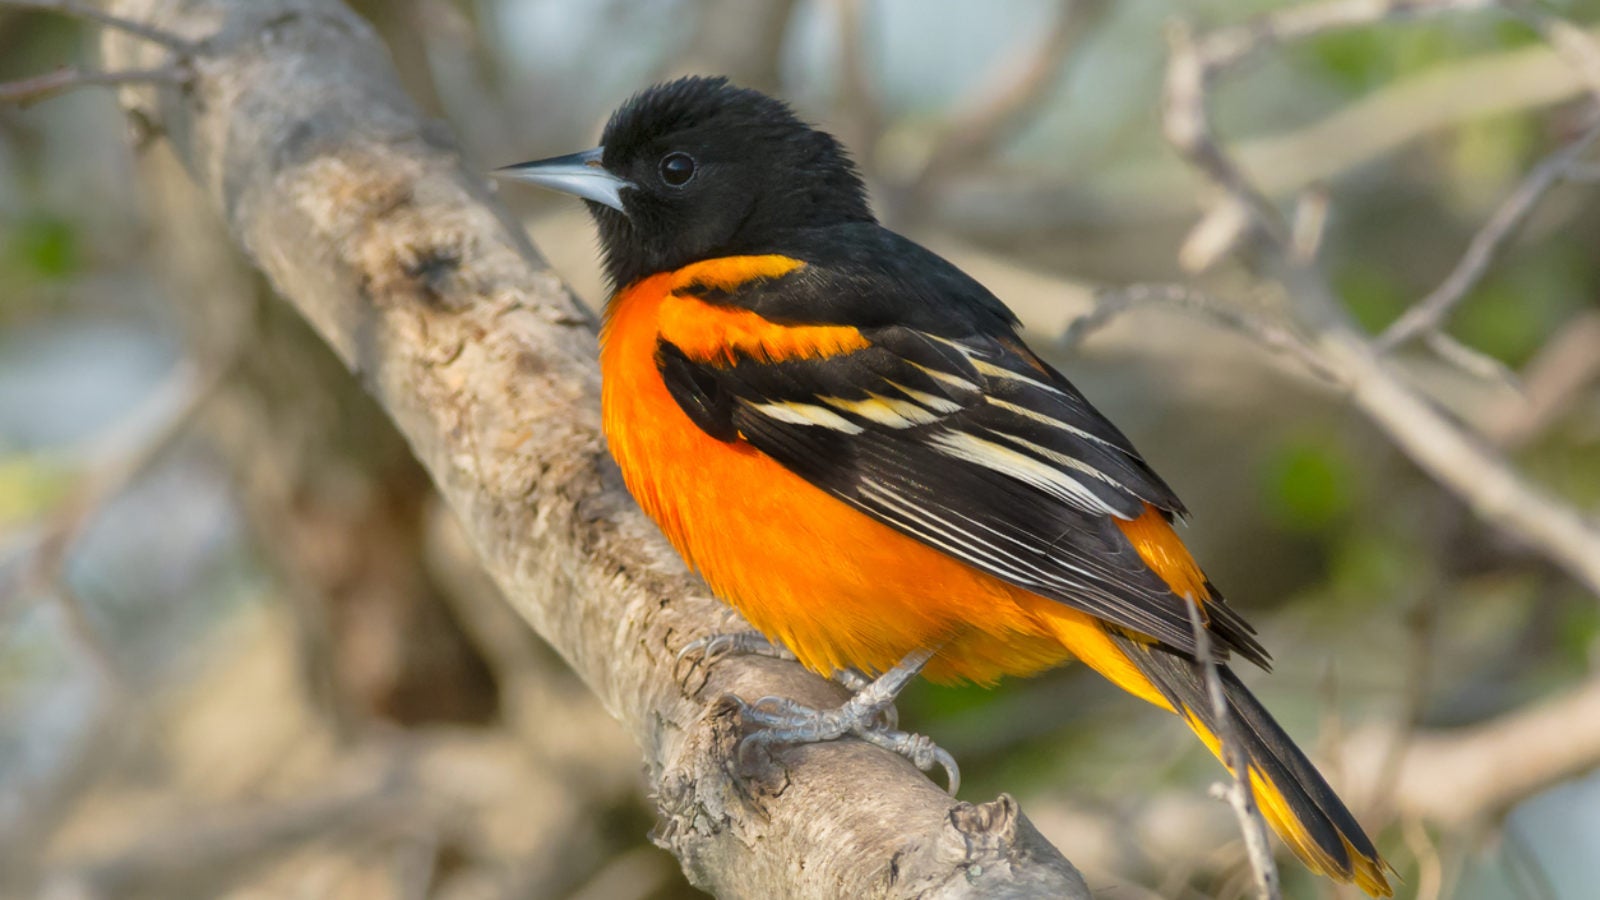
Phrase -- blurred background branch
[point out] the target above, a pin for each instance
(41, 87)
(1490, 486)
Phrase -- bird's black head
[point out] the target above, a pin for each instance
(697, 168)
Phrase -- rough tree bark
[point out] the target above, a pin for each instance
(364, 217)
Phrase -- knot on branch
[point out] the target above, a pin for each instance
(984, 850)
(980, 833)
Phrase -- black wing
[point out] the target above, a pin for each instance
(972, 446)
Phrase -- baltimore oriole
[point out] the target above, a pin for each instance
(845, 435)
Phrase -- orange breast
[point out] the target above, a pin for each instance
(832, 584)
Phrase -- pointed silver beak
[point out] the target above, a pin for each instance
(579, 174)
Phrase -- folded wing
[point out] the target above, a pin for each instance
(970, 445)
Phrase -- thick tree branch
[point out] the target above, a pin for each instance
(364, 217)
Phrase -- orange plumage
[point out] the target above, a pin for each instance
(839, 589)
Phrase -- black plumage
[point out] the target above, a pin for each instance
(760, 174)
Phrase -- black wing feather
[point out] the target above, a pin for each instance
(947, 429)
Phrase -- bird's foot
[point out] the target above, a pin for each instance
(868, 715)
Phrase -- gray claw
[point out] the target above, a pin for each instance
(920, 750)
(869, 714)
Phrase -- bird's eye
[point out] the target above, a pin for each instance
(677, 169)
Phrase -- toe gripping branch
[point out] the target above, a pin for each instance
(869, 714)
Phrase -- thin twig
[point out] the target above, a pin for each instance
(1222, 229)
(78, 10)
(982, 122)
(1582, 53)
(1430, 312)
(1192, 64)
(26, 91)
(1185, 123)
(1472, 361)
(1272, 335)
(1430, 869)
(123, 457)
(1239, 794)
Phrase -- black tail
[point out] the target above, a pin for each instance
(1294, 798)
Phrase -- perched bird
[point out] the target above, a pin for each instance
(845, 435)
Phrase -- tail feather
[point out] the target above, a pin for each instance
(1294, 798)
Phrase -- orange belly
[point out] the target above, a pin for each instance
(832, 584)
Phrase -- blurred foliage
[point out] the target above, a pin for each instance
(1365, 565)
(41, 246)
(1364, 59)
(1309, 484)
(1374, 295)
(1579, 632)
(1527, 297)
(30, 486)
(1570, 465)
(1490, 154)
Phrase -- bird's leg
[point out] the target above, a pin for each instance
(854, 682)
(779, 720)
